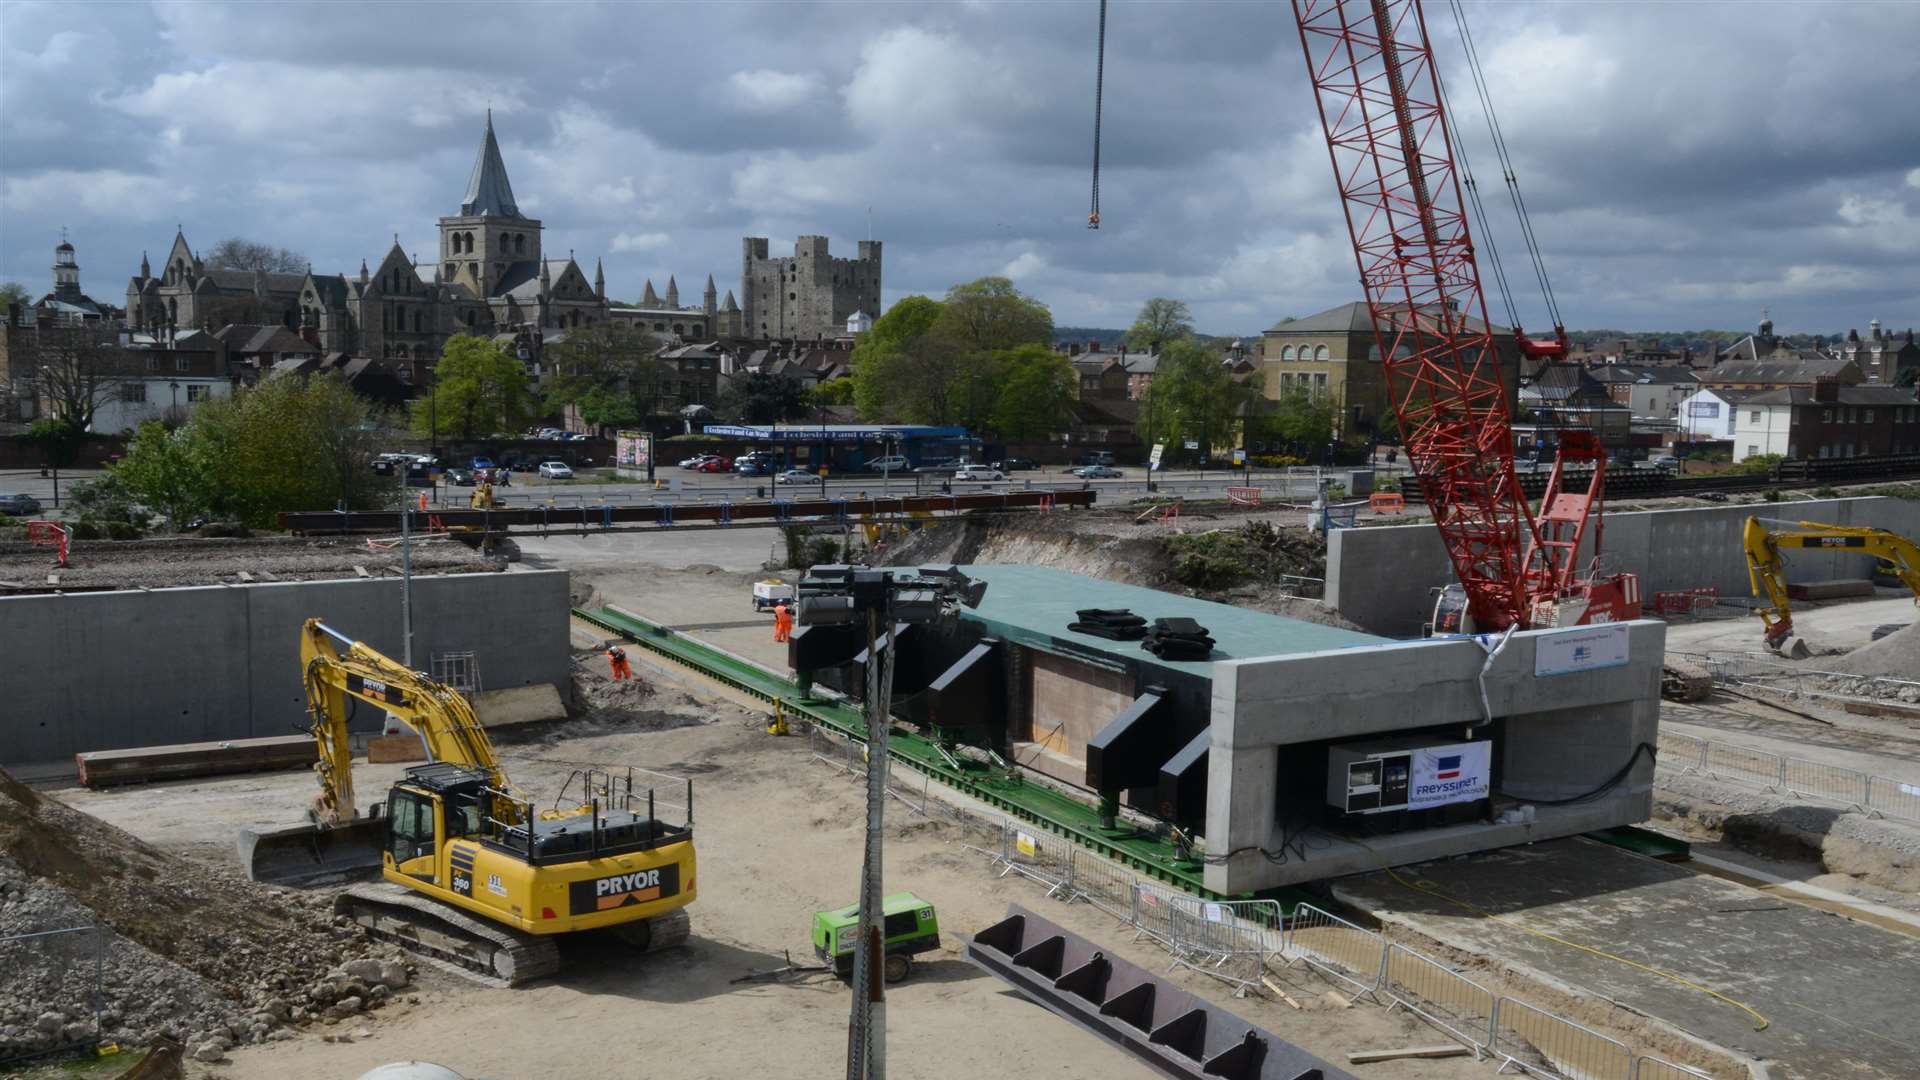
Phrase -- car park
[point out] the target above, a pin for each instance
(556, 470)
(796, 476)
(1097, 472)
(980, 473)
(19, 505)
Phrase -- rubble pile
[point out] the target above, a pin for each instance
(1896, 656)
(191, 954)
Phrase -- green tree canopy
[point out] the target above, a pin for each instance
(1036, 391)
(989, 314)
(831, 392)
(1160, 320)
(755, 397)
(478, 388)
(12, 292)
(891, 377)
(610, 373)
(1194, 396)
(287, 444)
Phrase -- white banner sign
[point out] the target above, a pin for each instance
(1153, 459)
(1450, 774)
(1581, 648)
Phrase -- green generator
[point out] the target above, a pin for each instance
(909, 926)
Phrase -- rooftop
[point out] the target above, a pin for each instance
(1032, 605)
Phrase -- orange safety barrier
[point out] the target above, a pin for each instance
(50, 534)
(1386, 502)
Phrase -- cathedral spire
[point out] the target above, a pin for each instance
(649, 298)
(488, 192)
(673, 292)
(145, 270)
(709, 302)
(599, 280)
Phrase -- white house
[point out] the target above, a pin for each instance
(1714, 415)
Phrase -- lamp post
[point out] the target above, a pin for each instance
(876, 599)
(173, 410)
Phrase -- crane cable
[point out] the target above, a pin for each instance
(1506, 162)
(1099, 88)
(1486, 240)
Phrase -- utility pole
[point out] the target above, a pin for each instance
(882, 601)
(406, 582)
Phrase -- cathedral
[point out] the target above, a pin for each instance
(491, 278)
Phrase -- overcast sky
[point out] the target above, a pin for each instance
(1687, 164)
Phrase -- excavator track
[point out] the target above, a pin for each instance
(485, 952)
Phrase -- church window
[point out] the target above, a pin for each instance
(793, 296)
(1320, 353)
(660, 327)
(1286, 353)
(418, 321)
(519, 244)
(474, 269)
(449, 271)
(680, 328)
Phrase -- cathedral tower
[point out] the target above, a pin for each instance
(481, 245)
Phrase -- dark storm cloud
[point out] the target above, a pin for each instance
(1686, 164)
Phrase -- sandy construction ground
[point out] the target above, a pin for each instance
(778, 835)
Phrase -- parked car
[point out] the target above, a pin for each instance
(892, 463)
(938, 468)
(695, 461)
(556, 470)
(462, 477)
(481, 464)
(795, 476)
(982, 473)
(1017, 464)
(19, 505)
(715, 464)
(753, 465)
(1664, 462)
(1097, 472)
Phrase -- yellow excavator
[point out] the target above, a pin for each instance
(1768, 570)
(477, 878)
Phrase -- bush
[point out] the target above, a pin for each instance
(822, 550)
(1277, 461)
(1757, 465)
(1772, 495)
(1825, 491)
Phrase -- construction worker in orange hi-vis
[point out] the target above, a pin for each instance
(617, 660)
(782, 622)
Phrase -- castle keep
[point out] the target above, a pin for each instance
(809, 295)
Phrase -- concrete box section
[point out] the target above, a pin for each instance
(1574, 736)
(104, 671)
(1380, 578)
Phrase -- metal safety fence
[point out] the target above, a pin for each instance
(1795, 680)
(1868, 792)
(55, 983)
(1242, 942)
(1552, 1046)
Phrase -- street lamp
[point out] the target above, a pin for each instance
(849, 596)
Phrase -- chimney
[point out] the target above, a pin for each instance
(1073, 348)
(1826, 389)
(1875, 324)
(1093, 346)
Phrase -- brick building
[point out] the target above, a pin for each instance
(1829, 420)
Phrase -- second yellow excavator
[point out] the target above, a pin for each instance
(1768, 570)
(477, 878)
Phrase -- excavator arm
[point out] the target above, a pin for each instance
(340, 674)
(1767, 569)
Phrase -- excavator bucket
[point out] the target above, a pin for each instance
(308, 853)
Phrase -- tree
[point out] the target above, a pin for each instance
(479, 388)
(287, 444)
(1160, 320)
(1302, 418)
(755, 397)
(609, 373)
(887, 383)
(990, 314)
(1193, 396)
(831, 392)
(1036, 393)
(12, 292)
(73, 370)
(239, 253)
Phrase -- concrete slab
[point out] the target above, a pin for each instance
(1030, 604)
(1839, 994)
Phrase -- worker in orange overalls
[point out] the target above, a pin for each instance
(782, 622)
(617, 660)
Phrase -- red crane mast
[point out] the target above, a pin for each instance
(1382, 111)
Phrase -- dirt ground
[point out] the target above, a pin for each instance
(778, 835)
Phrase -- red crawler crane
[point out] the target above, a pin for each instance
(1382, 111)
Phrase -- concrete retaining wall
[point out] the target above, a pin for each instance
(1380, 577)
(103, 671)
(1560, 737)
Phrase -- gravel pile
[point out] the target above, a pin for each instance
(191, 954)
(1897, 656)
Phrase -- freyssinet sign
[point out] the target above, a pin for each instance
(1580, 648)
(1443, 775)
